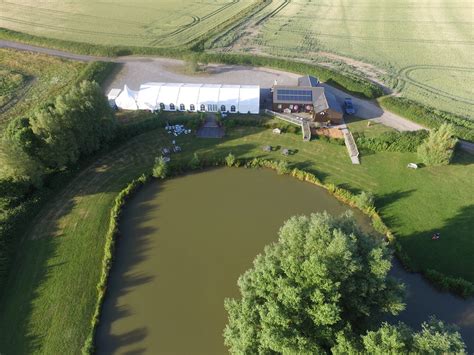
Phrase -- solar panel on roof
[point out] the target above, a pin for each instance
(294, 95)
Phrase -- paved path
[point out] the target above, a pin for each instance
(137, 70)
(211, 128)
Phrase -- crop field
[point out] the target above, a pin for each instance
(31, 79)
(164, 23)
(421, 48)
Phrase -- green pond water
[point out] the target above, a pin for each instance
(184, 243)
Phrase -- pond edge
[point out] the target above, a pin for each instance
(441, 281)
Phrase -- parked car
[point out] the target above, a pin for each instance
(348, 106)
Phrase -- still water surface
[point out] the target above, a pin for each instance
(185, 242)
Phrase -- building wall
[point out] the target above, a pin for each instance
(301, 107)
(328, 115)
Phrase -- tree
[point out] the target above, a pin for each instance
(160, 169)
(434, 338)
(17, 165)
(323, 276)
(438, 148)
(230, 160)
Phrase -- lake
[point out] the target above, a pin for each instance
(186, 240)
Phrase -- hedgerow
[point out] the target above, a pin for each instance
(392, 141)
(428, 116)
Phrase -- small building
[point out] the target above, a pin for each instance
(308, 97)
(277, 131)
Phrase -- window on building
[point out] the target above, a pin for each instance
(191, 107)
(232, 108)
(222, 108)
(182, 107)
(212, 107)
(203, 107)
(172, 108)
(162, 106)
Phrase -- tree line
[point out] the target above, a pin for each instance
(48, 141)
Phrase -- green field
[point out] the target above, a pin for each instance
(422, 48)
(10, 83)
(164, 23)
(43, 78)
(50, 298)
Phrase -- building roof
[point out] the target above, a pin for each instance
(112, 95)
(308, 81)
(332, 103)
(301, 95)
(244, 98)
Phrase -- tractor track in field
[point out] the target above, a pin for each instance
(405, 75)
(196, 20)
(273, 13)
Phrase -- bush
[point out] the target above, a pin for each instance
(364, 200)
(160, 168)
(230, 160)
(195, 162)
(282, 167)
(392, 141)
(459, 286)
(438, 149)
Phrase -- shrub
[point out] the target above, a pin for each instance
(438, 149)
(230, 160)
(195, 162)
(282, 167)
(364, 200)
(392, 141)
(160, 168)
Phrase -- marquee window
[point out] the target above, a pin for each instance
(191, 107)
(172, 108)
(222, 108)
(203, 107)
(232, 108)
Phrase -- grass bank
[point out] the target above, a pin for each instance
(52, 297)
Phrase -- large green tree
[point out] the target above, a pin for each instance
(438, 148)
(323, 277)
(434, 338)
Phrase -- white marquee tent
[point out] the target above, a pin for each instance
(191, 97)
(127, 99)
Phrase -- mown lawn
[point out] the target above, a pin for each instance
(49, 297)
